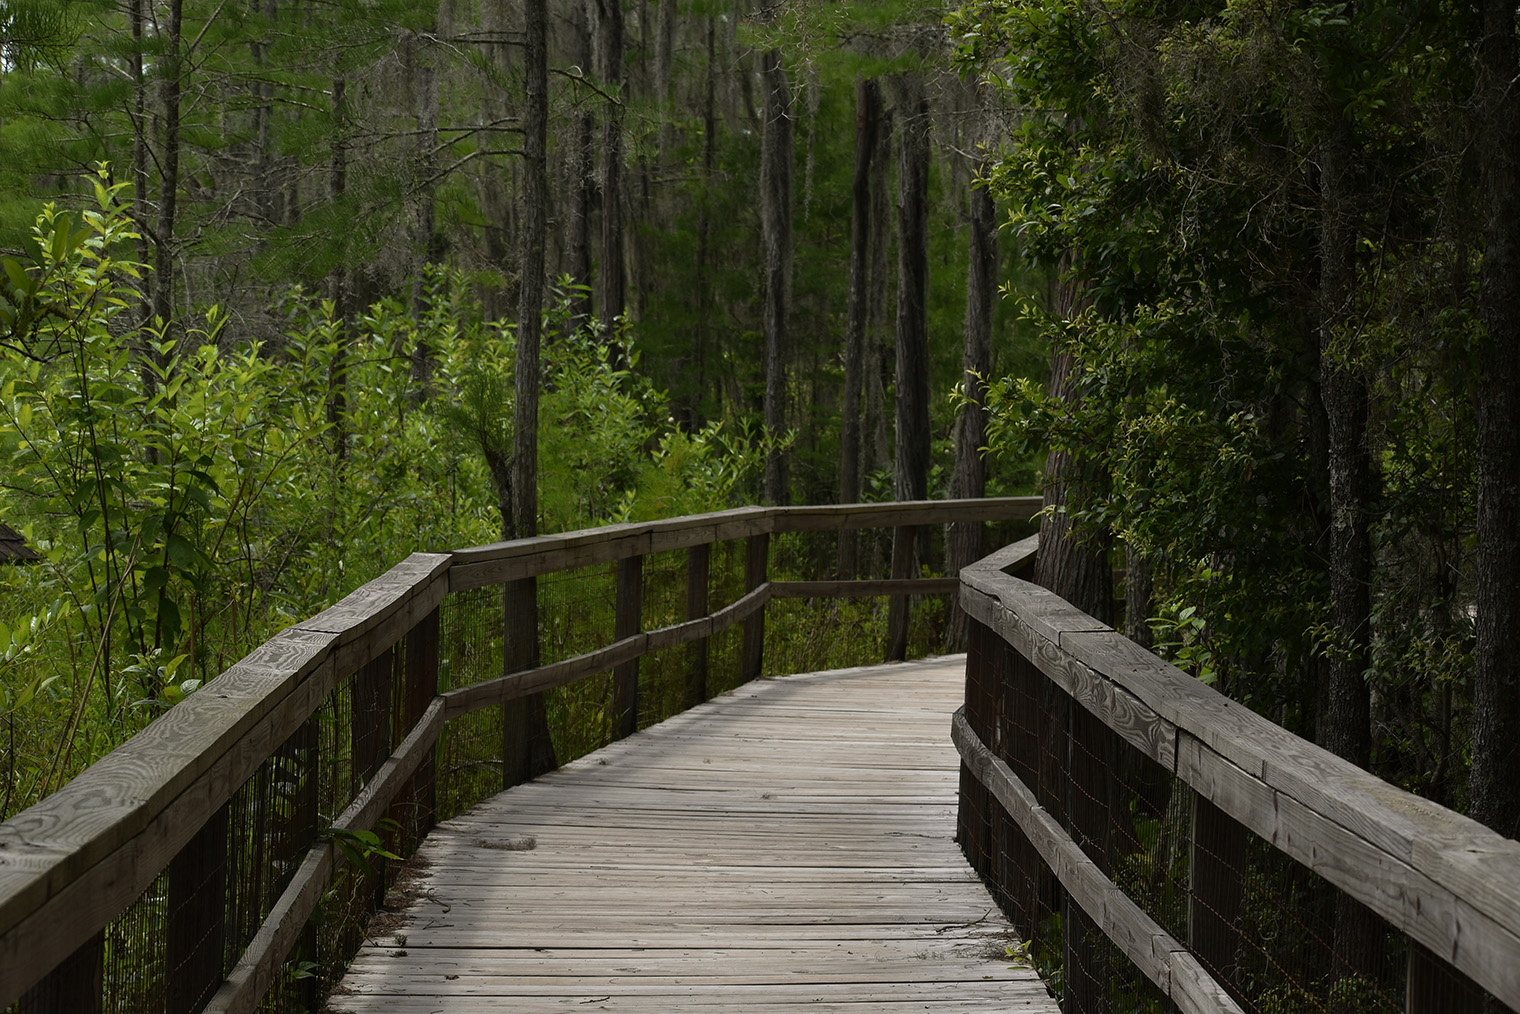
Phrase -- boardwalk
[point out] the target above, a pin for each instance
(786, 847)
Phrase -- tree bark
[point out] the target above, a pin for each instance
(776, 235)
(1343, 392)
(867, 122)
(966, 542)
(1495, 790)
(612, 292)
(529, 750)
(1072, 563)
(170, 92)
(875, 453)
(912, 462)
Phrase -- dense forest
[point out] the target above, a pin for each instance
(1239, 277)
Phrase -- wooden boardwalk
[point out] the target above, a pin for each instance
(785, 847)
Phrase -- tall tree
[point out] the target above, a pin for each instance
(612, 291)
(777, 142)
(529, 750)
(912, 463)
(966, 542)
(867, 123)
(1496, 676)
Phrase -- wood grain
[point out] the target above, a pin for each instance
(699, 865)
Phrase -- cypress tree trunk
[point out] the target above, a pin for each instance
(1073, 564)
(612, 292)
(912, 472)
(1495, 790)
(1343, 392)
(583, 184)
(867, 122)
(966, 542)
(170, 91)
(776, 234)
(528, 750)
(875, 453)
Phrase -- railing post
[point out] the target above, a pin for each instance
(526, 750)
(76, 985)
(1434, 987)
(897, 606)
(197, 918)
(698, 560)
(756, 564)
(371, 734)
(1216, 872)
(414, 809)
(628, 621)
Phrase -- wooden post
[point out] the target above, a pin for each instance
(698, 560)
(1087, 794)
(1434, 987)
(756, 564)
(371, 735)
(897, 605)
(1216, 871)
(76, 985)
(197, 918)
(628, 621)
(414, 809)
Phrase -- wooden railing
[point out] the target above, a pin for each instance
(1161, 845)
(183, 871)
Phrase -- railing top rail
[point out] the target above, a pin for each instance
(1447, 881)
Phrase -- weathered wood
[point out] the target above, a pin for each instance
(903, 538)
(1154, 951)
(1430, 872)
(197, 918)
(376, 615)
(698, 563)
(628, 620)
(1216, 879)
(252, 976)
(863, 589)
(647, 897)
(75, 987)
(756, 564)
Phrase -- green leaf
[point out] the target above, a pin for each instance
(180, 552)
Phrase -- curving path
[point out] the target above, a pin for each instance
(787, 847)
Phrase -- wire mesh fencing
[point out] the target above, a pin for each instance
(1274, 934)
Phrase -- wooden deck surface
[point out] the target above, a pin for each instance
(785, 847)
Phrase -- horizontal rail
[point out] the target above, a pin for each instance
(1165, 961)
(73, 862)
(1445, 880)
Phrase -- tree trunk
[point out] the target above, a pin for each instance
(867, 122)
(170, 91)
(1496, 677)
(1073, 564)
(612, 290)
(776, 236)
(337, 386)
(875, 453)
(912, 461)
(1343, 392)
(529, 752)
(966, 542)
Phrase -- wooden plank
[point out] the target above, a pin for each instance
(809, 878)
(863, 589)
(627, 621)
(379, 613)
(832, 517)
